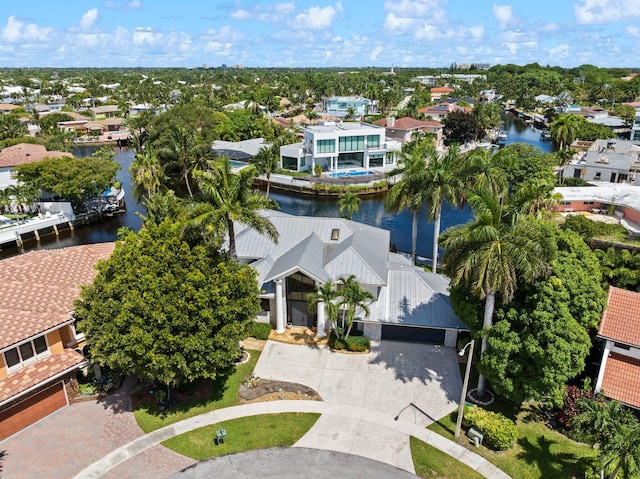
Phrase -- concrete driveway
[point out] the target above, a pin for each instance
(416, 382)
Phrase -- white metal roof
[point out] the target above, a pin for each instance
(620, 194)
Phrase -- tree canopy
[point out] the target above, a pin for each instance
(166, 311)
(461, 127)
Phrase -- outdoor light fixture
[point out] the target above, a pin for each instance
(464, 385)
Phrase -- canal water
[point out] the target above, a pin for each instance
(371, 210)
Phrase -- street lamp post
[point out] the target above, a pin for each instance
(464, 385)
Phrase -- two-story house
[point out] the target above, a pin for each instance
(619, 375)
(615, 161)
(341, 146)
(405, 129)
(21, 154)
(339, 106)
(40, 349)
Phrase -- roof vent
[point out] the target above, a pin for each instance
(335, 234)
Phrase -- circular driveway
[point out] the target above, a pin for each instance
(291, 463)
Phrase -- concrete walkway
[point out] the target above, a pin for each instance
(338, 414)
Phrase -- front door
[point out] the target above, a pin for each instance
(299, 287)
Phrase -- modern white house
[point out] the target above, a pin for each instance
(410, 304)
(339, 106)
(615, 161)
(336, 146)
(635, 128)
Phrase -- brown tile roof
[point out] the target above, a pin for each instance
(8, 107)
(38, 373)
(408, 123)
(621, 379)
(23, 153)
(621, 318)
(37, 289)
(441, 89)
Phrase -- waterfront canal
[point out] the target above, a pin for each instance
(371, 210)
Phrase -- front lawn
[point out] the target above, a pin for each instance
(431, 462)
(224, 393)
(539, 452)
(244, 434)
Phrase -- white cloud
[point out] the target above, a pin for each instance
(559, 52)
(398, 25)
(374, 54)
(132, 5)
(317, 18)
(145, 35)
(16, 31)
(633, 31)
(219, 48)
(416, 8)
(223, 34)
(504, 15)
(477, 31)
(549, 27)
(264, 13)
(606, 11)
(89, 19)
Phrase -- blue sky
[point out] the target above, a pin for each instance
(418, 33)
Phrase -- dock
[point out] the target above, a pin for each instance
(35, 228)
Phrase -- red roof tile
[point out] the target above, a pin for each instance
(621, 379)
(38, 372)
(23, 153)
(621, 319)
(37, 289)
(441, 89)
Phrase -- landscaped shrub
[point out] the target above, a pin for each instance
(499, 431)
(352, 343)
(589, 229)
(259, 330)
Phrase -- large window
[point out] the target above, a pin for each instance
(351, 160)
(326, 146)
(290, 163)
(352, 143)
(26, 354)
(373, 141)
(376, 160)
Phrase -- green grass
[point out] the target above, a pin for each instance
(539, 452)
(244, 434)
(224, 393)
(431, 462)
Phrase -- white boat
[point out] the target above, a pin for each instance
(502, 136)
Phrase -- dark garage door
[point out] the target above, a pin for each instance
(413, 334)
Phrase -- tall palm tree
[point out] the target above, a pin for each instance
(187, 152)
(267, 161)
(410, 192)
(443, 182)
(349, 204)
(486, 170)
(226, 197)
(353, 298)
(146, 173)
(326, 294)
(564, 129)
(494, 250)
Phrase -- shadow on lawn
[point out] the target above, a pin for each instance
(538, 451)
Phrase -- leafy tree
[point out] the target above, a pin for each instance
(267, 161)
(626, 112)
(187, 152)
(226, 197)
(488, 115)
(49, 123)
(326, 296)
(492, 252)
(620, 269)
(162, 206)
(166, 311)
(146, 173)
(69, 177)
(11, 127)
(349, 204)
(461, 127)
(353, 298)
(486, 170)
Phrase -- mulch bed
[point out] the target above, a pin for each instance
(268, 390)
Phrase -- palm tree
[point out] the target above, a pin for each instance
(187, 152)
(350, 203)
(486, 170)
(326, 296)
(146, 173)
(353, 298)
(410, 192)
(443, 182)
(227, 197)
(267, 161)
(616, 432)
(564, 129)
(494, 250)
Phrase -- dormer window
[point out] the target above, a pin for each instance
(335, 234)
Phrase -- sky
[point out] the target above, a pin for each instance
(318, 33)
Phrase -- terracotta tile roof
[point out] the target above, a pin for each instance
(23, 153)
(37, 289)
(8, 107)
(621, 318)
(38, 373)
(441, 89)
(408, 123)
(621, 379)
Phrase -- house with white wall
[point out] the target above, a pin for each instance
(619, 374)
(21, 154)
(339, 106)
(615, 161)
(336, 146)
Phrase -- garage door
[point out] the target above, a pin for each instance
(31, 410)
(412, 334)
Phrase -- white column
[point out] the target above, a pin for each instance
(321, 333)
(603, 365)
(280, 314)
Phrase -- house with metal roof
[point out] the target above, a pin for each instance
(39, 345)
(410, 304)
(619, 375)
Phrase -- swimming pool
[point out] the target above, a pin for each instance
(351, 174)
(237, 164)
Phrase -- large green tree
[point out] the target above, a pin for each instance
(166, 311)
(461, 127)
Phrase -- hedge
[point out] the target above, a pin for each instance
(259, 330)
(352, 343)
(499, 431)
